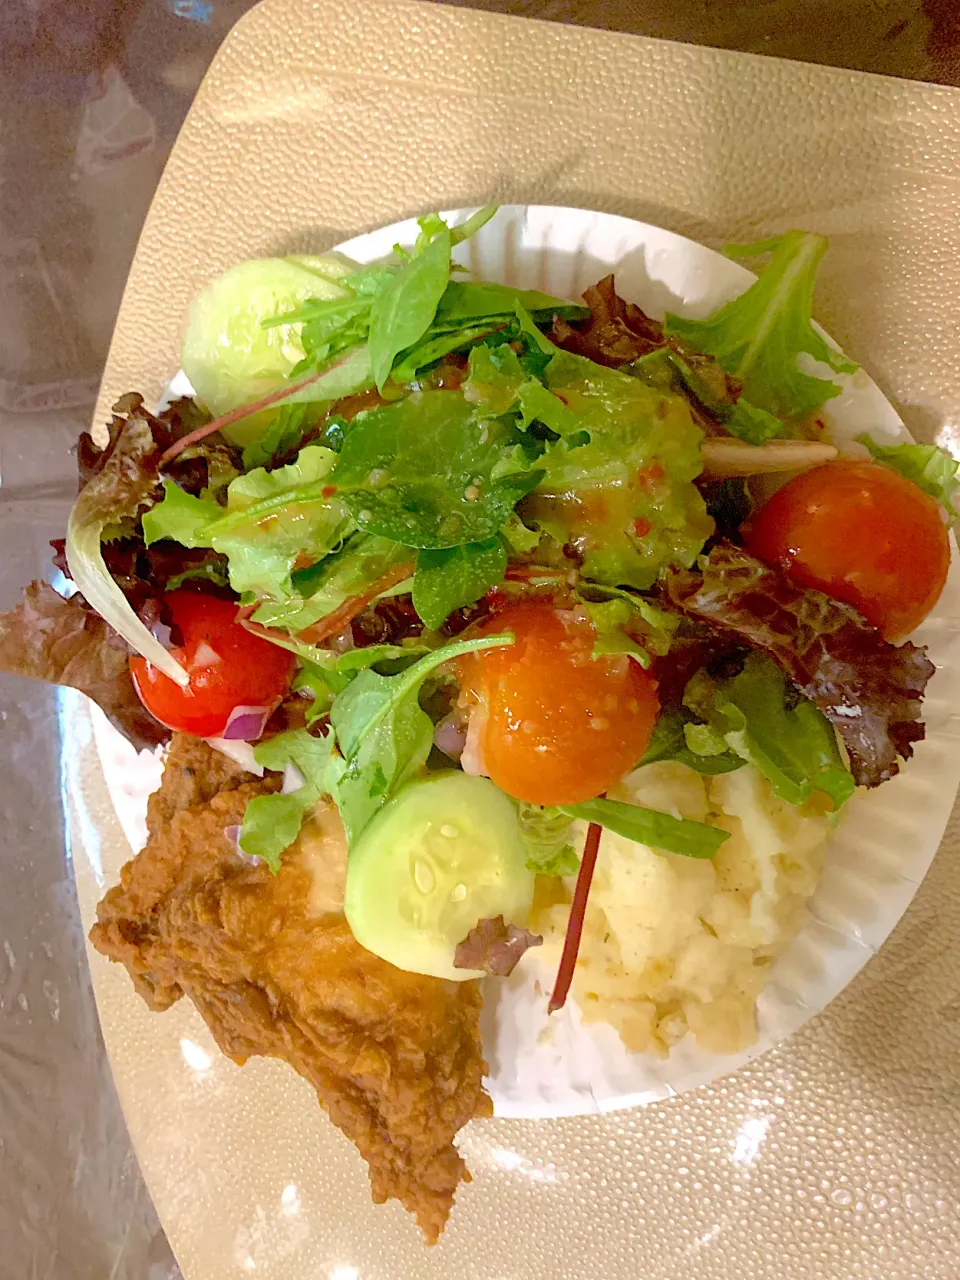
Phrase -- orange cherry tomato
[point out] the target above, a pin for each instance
(860, 533)
(227, 665)
(561, 726)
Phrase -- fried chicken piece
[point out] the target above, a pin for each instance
(395, 1057)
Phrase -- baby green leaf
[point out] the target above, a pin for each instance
(425, 472)
(930, 468)
(271, 823)
(404, 311)
(384, 735)
(660, 831)
(455, 576)
(759, 336)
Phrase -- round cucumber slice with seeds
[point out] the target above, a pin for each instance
(445, 853)
(229, 356)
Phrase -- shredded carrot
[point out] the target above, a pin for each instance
(524, 572)
(571, 943)
(257, 628)
(341, 617)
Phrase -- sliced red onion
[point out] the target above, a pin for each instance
(162, 632)
(450, 735)
(206, 656)
(342, 642)
(246, 724)
(240, 753)
(293, 779)
(471, 759)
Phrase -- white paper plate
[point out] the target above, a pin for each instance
(886, 839)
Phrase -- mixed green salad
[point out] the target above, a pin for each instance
(460, 556)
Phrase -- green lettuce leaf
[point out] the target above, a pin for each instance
(180, 516)
(519, 539)
(272, 823)
(670, 742)
(330, 582)
(759, 336)
(793, 746)
(547, 836)
(125, 482)
(667, 369)
(448, 579)
(384, 735)
(629, 624)
(272, 518)
(620, 488)
(426, 471)
(660, 831)
(499, 384)
(930, 468)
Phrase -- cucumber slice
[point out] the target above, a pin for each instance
(228, 355)
(445, 853)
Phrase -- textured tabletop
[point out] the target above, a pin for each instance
(834, 1156)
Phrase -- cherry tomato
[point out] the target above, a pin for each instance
(228, 667)
(860, 533)
(561, 726)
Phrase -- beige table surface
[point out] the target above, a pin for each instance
(835, 1156)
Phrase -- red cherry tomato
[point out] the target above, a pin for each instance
(561, 726)
(862, 534)
(228, 667)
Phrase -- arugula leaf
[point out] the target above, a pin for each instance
(794, 747)
(469, 301)
(759, 336)
(372, 655)
(447, 579)
(670, 742)
(323, 682)
(660, 831)
(427, 472)
(271, 823)
(470, 226)
(404, 310)
(384, 735)
(434, 347)
(929, 467)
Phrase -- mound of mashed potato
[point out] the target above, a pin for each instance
(674, 944)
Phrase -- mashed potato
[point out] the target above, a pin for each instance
(672, 944)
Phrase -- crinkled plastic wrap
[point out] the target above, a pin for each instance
(833, 1156)
(86, 121)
